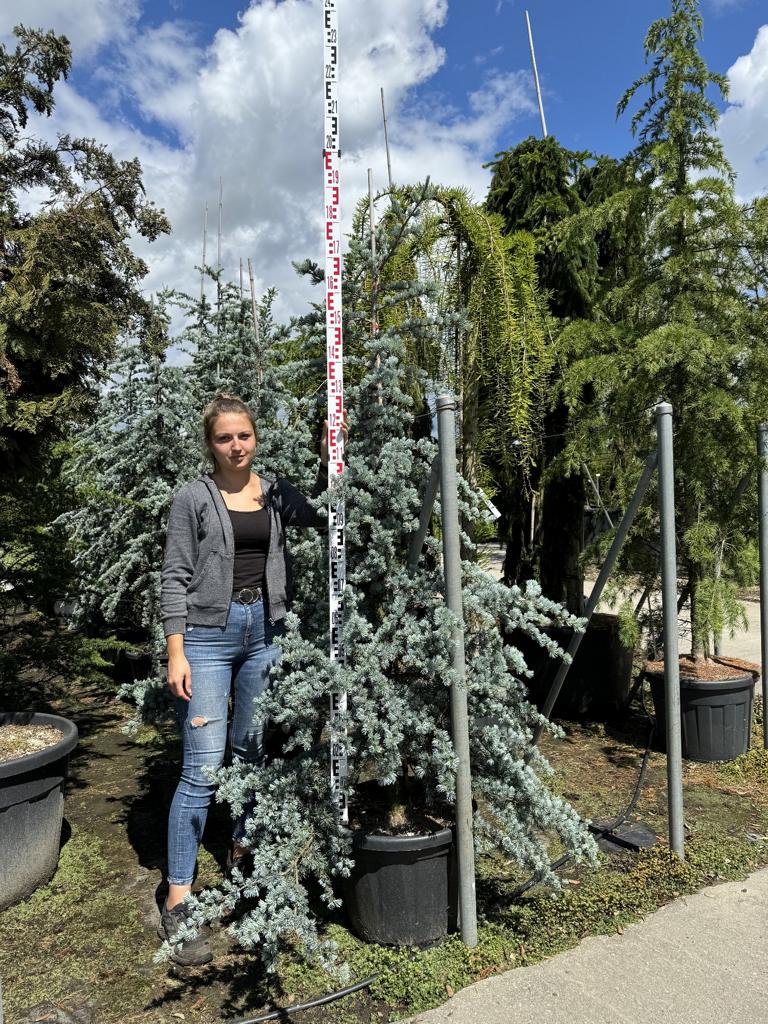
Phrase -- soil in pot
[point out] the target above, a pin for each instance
(32, 806)
(716, 702)
(403, 888)
(20, 740)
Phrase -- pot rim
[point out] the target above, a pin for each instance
(734, 682)
(363, 840)
(40, 758)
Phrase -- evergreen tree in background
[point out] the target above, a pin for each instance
(127, 465)
(69, 286)
(397, 639)
(679, 325)
(69, 283)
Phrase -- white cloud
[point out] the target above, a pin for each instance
(249, 109)
(744, 125)
(88, 24)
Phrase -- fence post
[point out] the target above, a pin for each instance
(449, 503)
(669, 607)
(762, 494)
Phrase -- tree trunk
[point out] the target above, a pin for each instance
(560, 531)
(697, 640)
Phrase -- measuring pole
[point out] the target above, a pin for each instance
(536, 76)
(337, 555)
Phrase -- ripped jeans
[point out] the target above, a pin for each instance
(237, 655)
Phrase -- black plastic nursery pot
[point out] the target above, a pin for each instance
(32, 809)
(716, 717)
(403, 890)
(599, 680)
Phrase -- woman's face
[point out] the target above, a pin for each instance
(233, 442)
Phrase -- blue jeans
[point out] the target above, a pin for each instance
(239, 654)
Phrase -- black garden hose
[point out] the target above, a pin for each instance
(285, 1013)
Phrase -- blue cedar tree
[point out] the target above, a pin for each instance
(397, 638)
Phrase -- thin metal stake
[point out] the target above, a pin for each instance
(536, 76)
(205, 241)
(386, 139)
(218, 258)
(256, 333)
(446, 431)
(418, 538)
(595, 488)
(762, 493)
(669, 608)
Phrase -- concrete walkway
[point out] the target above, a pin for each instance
(699, 960)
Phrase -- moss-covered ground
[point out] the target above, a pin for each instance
(85, 942)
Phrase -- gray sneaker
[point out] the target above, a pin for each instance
(191, 952)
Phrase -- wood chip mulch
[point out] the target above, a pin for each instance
(711, 669)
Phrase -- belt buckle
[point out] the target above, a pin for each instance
(255, 595)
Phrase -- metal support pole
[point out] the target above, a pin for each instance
(597, 590)
(669, 608)
(418, 538)
(446, 432)
(762, 493)
(205, 244)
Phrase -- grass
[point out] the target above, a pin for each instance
(87, 939)
(77, 938)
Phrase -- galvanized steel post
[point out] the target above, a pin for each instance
(449, 503)
(762, 494)
(669, 606)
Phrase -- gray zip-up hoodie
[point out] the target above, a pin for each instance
(196, 581)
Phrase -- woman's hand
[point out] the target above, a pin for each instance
(179, 676)
(324, 438)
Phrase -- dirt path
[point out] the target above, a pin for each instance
(81, 950)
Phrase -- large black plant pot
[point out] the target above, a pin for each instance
(716, 717)
(403, 891)
(32, 809)
(599, 680)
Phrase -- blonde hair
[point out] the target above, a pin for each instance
(221, 404)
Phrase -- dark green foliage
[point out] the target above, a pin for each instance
(534, 187)
(69, 285)
(677, 324)
(68, 279)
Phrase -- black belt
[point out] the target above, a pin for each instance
(248, 595)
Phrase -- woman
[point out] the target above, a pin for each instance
(225, 591)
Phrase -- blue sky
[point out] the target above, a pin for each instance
(199, 90)
(587, 54)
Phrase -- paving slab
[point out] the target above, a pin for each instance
(702, 959)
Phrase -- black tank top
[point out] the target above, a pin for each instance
(251, 530)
